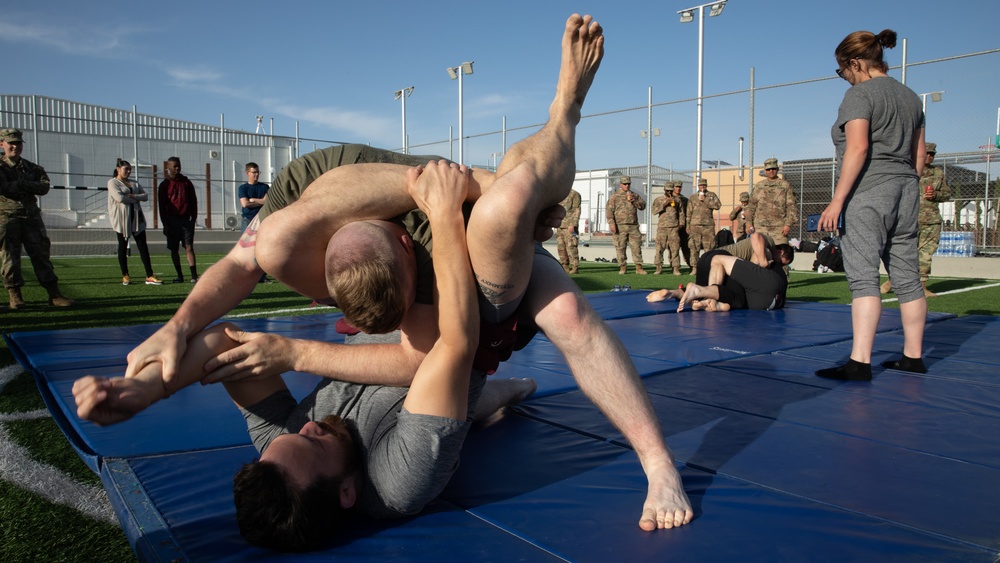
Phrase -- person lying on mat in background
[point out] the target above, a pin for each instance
(347, 448)
(311, 235)
(745, 279)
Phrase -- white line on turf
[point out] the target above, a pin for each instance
(952, 292)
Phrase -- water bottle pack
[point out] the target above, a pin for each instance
(956, 244)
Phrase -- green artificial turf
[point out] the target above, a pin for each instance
(34, 529)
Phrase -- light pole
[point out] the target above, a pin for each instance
(402, 95)
(648, 134)
(687, 16)
(456, 72)
(935, 97)
(494, 157)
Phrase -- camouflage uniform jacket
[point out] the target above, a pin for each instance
(701, 213)
(20, 183)
(572, 206)
(671, 211)
(620, 211)
(930, 214)
(772, 205)
(739, 218)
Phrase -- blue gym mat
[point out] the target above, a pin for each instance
(779, 464)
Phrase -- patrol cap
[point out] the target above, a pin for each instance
(702, 182)
(771, 163)
(745, 196)
(625, 180)
(11, 135)
(931, 148)
(678, 184)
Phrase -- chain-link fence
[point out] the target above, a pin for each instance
(653, 143)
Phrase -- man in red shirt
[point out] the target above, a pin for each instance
(178, 211)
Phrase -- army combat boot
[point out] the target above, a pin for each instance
(927, 292)
(56, 299)
(16, 301)
(621, 271)
(659, 269)
(574, 269)
(639, 270)
(677, 271)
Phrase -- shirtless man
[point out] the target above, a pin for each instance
(536, 174)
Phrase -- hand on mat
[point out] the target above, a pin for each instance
(167, 346)
(258, 356)
(106, 401)
(550, 218)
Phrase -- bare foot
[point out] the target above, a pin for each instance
(667, 505)
(703, 304)
(582, 51)
(500, 393)
(693, 291)
(658, 295)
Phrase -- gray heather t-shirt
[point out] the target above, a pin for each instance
(408, 457)
(894, 114)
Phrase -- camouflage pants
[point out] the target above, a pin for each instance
(566, 243)
(701, 239)
(927, 244)
(668, 238)
(25, 229)
(774, 233)
(628, 234)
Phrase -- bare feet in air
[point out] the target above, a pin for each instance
(582, 51)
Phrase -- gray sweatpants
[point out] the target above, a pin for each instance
(881, 224)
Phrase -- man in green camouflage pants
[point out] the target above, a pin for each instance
(21, 222)
(739, 217)
(772, 208)
(566, 235)
(670, 208)
(701, 221)
(623, 218)
(934, 191)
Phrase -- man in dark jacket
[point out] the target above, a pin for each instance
(178, 211)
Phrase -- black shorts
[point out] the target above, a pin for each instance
(179, 232)
(752, 287)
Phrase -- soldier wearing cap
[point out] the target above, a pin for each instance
(623, 218)
(670, 209)
(934, 190)
(566, 235)
(701, 221)
(21, 222)
(772, 210)
(739, 217)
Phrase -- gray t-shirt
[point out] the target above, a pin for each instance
(894, 115)
(408, 458)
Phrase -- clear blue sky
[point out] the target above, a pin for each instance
(333, 66)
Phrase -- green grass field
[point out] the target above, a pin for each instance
(35, 528)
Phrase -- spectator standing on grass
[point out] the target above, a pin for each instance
(622, 214)
(128, 220)
(178, 211)
(567, 237)
(879, 137)
(701, 222)
(739, 218)
(252, 194)
(670, 209)
(21, 222)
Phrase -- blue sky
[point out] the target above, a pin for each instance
(333, 66)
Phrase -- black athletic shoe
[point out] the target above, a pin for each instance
(178, 280)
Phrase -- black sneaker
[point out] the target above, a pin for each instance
(178, 280)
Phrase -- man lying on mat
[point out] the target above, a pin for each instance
(339, 220)
(382, 451)
(743, 275)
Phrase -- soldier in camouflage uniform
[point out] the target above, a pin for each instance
(622, 213)
(772, 208)
(21, 222)
(934, 190)
(739, 217)
(670, 208)
(701, 221)
(566, 235)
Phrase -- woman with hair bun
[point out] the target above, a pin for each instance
(127, 219)
(879, 137)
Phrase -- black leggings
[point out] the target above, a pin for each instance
(140, 241)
